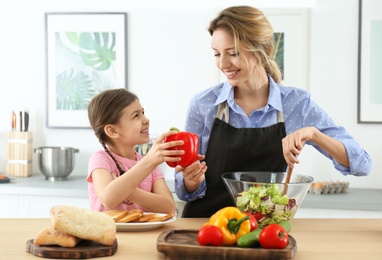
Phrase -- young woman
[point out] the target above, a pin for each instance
(118, 177)
(251, 122)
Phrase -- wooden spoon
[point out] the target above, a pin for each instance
(287, 180)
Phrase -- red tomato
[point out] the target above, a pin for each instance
(210, 235)
(252, 220)
(273, 236)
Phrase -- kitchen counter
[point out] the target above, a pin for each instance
(315, 239)
(76, 186)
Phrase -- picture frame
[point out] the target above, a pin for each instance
(369, 62)
(86, 53)
(293, 24)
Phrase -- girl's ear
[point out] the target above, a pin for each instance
(110, 131)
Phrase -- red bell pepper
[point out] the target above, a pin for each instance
(190, 147)
(252, 220)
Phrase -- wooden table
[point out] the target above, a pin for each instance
(316, 239)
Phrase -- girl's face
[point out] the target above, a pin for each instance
(133, 126)
(236, 64)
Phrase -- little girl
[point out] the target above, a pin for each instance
(118, 177)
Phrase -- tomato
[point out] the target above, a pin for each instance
(210, 235)
(273, 236)
(252, 220)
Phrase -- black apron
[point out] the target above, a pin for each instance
(236, 149)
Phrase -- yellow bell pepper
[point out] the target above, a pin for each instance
(232, 223)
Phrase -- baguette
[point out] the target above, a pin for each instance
(50, 236)
(84, 224)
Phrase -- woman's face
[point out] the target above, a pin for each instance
(133, 126)
(237, 65)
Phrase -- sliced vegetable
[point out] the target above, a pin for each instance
(232, 223)
(190, 147)
(210, 235)
(273, 236)
(268, 202)
(258, 216)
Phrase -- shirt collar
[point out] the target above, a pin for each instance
(225, 93)
(274, 99)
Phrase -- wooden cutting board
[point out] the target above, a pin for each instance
(84, 249)
(183, 244)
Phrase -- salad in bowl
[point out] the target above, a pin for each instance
(262, 194)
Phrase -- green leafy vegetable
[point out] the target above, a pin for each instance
(267, 200)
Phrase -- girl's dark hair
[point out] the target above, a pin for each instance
(106, 108)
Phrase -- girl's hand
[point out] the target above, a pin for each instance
(294, 142)
(159, 152)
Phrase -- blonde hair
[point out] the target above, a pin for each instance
(251, 29)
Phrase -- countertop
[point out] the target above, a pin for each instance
(315, 239)
(76, 186)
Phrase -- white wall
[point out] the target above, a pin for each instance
(169, 59)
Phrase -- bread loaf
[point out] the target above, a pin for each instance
(50, 236)
(84, 224)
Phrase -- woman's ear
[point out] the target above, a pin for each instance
(110, 131)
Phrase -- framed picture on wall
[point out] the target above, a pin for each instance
(370, 62)
(86, 53)
(291, 36)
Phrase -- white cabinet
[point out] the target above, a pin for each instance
(22, 206)
(9, 206)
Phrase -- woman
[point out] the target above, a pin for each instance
(118, 177)
(251, 122)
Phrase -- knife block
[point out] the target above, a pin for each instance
(19, 154)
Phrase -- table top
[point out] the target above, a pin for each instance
(315, 238)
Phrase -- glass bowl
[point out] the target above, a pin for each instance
(266, 195)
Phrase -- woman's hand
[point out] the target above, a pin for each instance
(193, 174)
(294, 142)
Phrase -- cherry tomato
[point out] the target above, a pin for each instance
(252, 220)
(273, 236)
(210, 235)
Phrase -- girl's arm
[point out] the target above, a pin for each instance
(160, 200)
(112, 191)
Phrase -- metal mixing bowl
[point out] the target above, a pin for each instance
(56, 163)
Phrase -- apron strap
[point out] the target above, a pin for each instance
(223, 111)
(280, 117)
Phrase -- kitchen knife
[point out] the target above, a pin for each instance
(26, 120)
(13, 121)
(21, 121)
